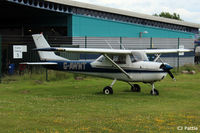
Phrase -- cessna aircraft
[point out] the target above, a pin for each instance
(124, 65)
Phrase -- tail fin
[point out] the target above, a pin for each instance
(41, 42)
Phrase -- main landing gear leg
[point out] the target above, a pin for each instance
(108, 89)
(154, 91)
(135, 87)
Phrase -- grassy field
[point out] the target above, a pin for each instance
(29, 104)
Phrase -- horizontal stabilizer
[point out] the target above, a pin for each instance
(39, 63)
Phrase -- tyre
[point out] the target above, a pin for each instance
(108, 90)
(135, 88)
(156, 92)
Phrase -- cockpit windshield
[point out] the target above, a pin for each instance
(138, 56)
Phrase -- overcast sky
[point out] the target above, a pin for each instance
(189, 10)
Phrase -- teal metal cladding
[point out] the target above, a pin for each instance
(94, 27)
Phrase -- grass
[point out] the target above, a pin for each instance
(29, 104)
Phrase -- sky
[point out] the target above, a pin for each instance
(189, 10)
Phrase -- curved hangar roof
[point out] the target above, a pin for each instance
(123, 12)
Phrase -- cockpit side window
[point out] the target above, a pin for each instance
(132, 58)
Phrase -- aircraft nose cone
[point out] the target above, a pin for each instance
(166, 67)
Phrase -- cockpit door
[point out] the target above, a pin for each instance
(139, 56)
(138, 59)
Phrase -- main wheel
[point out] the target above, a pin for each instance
(156, 92)
(135, 88)
(108, 90)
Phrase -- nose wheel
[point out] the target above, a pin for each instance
(154, 92)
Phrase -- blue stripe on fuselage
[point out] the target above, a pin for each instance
(85, 66)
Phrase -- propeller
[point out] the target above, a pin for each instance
(167, 69)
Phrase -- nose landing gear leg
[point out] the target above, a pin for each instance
(154, 92)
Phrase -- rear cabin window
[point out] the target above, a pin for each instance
(119, 59)
(101, 59)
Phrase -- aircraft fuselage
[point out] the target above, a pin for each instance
(142, 73)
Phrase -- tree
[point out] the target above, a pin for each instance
(168, 15)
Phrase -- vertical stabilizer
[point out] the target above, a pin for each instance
(41, 42)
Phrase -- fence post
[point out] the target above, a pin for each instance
(178, 60)
(47, 74)
(0, 59)
(151, 43)
(85, 41)
(85, 46)
(120, 42)
(151, 46)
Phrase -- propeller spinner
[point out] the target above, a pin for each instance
(167, 69)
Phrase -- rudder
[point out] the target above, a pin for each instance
(41, 42)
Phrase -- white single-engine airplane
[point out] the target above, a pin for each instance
(124, 65)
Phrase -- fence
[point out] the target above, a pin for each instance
(131, 43)
(95, 42)
(141, 43)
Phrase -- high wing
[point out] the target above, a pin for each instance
(113, 51)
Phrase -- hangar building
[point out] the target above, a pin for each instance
(66, 22)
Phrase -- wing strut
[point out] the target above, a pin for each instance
(158, 57)
(115, 64)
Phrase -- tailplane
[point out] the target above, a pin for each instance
(41, 42)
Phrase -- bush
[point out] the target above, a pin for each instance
(190, 68)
